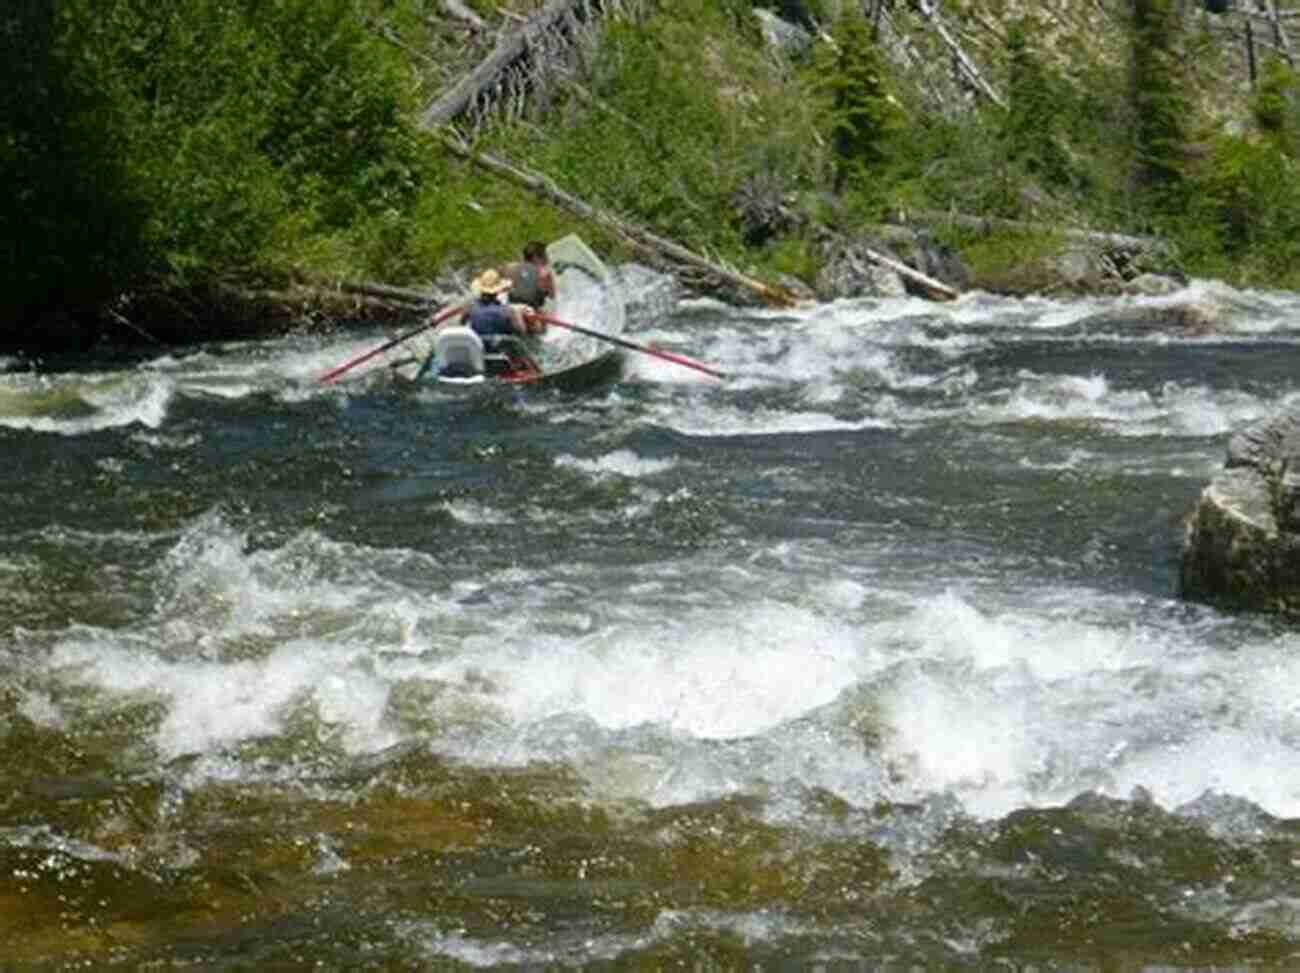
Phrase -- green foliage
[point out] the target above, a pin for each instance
(681, 113)
(220, 136)
(795, 257)
(951, 163)
(1012, 262)
(74, 219)
(1038, 104)
(1161, 108)
(861, 114)
(200, 138)
(1244, 219)
(463, 219)
(1276, 107)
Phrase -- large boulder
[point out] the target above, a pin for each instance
(788, 39)
(848, 269)
(1242, 543)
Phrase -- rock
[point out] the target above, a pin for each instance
(790, 40)
(797, 288)
(1177, 319)
(1241, 548)
(848, 270)
(1079, 268)
(1152, 285)
(849, 273)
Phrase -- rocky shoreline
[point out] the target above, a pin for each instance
(849, 266)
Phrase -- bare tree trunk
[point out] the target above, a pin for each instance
(936, 288)
(1250, 53)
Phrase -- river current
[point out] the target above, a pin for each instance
(869, 656)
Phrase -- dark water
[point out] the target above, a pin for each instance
(870, 656)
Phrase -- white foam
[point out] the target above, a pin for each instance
(75, 405)
(621, 462)
(215, 704)
(735, 677)
(473, 513)
(755, 422)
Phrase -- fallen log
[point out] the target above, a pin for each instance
(985, 223)
(935, 288)
(930, 10)
(457, 10)
(387, 292)
(636, 237)
(510, 48)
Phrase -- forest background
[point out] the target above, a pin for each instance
(156, 155)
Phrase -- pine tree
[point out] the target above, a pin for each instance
(861, 110)
(1161, 108)
(1031, 128)
(1276, 107)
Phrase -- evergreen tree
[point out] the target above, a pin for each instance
(72, 217)
(1276, 107)
(1161, 108)
(1031, 128)
(861, 111)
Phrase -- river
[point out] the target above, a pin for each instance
(869, 656)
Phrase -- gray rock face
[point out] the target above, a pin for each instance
(1242, 543)
(789, 39)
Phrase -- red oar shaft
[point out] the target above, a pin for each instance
(623, 342)
(433, 322)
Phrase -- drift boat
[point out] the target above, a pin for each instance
(452, 356)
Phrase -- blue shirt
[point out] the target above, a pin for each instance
(489, 319)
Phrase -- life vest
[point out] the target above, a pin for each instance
(527, 285)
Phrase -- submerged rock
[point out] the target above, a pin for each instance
(1242, 542)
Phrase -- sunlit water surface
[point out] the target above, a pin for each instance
(870, 654)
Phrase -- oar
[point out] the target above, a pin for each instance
(614, 339)
(433, 322)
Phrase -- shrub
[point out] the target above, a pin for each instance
(198, 137)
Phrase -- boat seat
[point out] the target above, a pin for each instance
(459, 352)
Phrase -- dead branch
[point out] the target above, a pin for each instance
(930, 10)
(1278, 33)
(1097, 238)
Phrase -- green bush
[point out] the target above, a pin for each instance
(198, 138)
(1243, 221)
(851, 79)
(1161, 108)
(680, 113)
(1276, 107)
(74, 217)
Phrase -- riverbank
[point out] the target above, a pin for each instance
(766, 144)
(1003, 258)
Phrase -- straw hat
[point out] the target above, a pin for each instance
(490, 282)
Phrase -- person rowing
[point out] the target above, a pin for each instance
(532, 283)
(499, 327)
